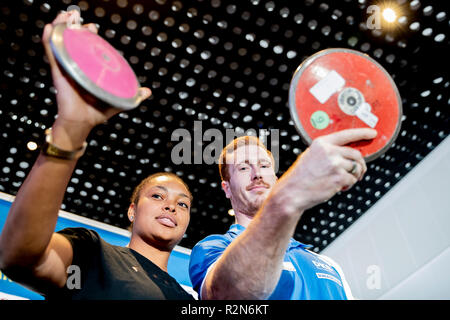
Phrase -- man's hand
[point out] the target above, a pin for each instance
(324, 169)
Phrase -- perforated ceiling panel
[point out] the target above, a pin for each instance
(228, 65)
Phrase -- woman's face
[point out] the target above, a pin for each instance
(162, 213)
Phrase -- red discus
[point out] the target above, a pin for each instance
(95, 65)
(337, 89)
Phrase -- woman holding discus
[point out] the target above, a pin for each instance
(32, 254)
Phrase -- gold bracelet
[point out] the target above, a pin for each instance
(49, 149)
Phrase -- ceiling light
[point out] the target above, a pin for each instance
(389, 15)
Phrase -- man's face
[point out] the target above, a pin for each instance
(252, 176)
(163, 211)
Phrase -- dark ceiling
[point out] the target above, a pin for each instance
(227, 64)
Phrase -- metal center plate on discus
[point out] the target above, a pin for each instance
(95, 65)
(337, 89)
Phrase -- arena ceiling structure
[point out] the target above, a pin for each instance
(219, 65)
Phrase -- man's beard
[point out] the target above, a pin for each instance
(249, 203)
(254, 205)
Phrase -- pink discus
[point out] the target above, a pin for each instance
(95, 65)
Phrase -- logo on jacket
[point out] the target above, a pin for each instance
(322, 266)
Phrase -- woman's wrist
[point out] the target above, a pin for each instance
(70, 135)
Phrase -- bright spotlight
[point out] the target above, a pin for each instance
(389, 15)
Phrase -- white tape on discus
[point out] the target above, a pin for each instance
(329, 85)
(365, 115)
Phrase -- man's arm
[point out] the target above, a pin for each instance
(252, 264)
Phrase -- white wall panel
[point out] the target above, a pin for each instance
(406, 235)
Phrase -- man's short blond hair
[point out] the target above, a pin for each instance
(231, 147)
